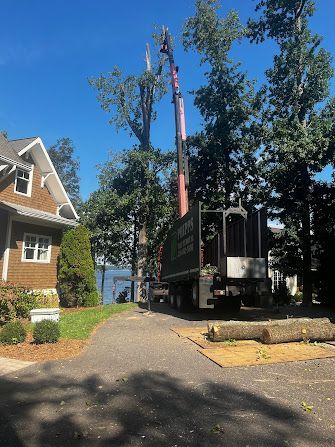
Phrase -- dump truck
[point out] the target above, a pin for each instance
(218, 269)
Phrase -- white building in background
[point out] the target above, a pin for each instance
(278, 277)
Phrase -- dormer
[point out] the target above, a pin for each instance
(28, 178)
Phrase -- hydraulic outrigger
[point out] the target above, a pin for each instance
(177, 99)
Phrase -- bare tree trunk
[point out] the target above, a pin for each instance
(142, 258)
(306, 257)
(306, 244)
(133, 260)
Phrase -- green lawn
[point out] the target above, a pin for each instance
(80, 324)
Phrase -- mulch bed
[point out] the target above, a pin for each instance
(32, 352)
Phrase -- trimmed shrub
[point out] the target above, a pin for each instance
(24, 303)
(76, 270)
(298, 296)
(46, 299)
(13, 333)
(46, 331)
(9, 293)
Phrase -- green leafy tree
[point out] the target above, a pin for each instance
(223, 162)
(130, 102)
(106, 215)
(76, 274)
(123, 175)
(297, 124)
(62, 157)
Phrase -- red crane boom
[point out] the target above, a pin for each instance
(177, 98)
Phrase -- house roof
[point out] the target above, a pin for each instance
(21, 210)
(21, 143)
(12, 152)
(9, 153)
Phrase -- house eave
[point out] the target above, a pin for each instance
(24, 166)
(37, 216)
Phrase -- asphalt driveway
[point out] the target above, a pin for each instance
(139, 384)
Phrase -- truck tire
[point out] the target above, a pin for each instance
(231, 305)
(172, 300)
(249, 300)
(181, 303)
(195, 295)
(234, 304)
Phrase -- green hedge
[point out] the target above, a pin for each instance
(76, 270)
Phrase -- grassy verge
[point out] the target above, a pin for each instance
(79, 325)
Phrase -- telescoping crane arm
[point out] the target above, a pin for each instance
(178, 102)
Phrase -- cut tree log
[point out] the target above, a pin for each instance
(299, 331)
(249, 330)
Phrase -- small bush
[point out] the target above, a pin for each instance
(46, 331)
(91, 299)
(13, 333)
(24, 303)
(123, 297)
(8, 295)
(46, 299)
(298, 296)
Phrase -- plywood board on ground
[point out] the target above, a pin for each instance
(185, 332)
(251, 355)
(207, 344)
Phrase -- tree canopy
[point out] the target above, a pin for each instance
(297, 124)
(223, 154)
(67, 167)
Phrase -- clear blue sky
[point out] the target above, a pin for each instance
(48, 50)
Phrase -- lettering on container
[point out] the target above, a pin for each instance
(182, 241)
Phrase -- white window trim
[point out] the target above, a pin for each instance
(30, 182)
(38, 261)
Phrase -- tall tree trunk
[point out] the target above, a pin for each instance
(306, 244)
(142, 258)
(134, 259)
(142, 250)
(306, 256)
(103, 279)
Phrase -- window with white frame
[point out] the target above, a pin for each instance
(36, 248)
(23, 182)
(278, 279)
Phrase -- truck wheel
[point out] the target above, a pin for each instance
(235, 304)
(172, 300)
(195, 295)
(181, 303)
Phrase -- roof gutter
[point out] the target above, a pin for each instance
(16, 163)
(37, 215)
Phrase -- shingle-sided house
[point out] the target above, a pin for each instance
(34, 211)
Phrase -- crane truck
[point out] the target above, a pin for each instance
(209, 269)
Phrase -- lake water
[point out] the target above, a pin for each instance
(108, 286)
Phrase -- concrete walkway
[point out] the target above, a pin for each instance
(11, 365)
(139, 384)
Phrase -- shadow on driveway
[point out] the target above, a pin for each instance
(148, 408)
(245, 314)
